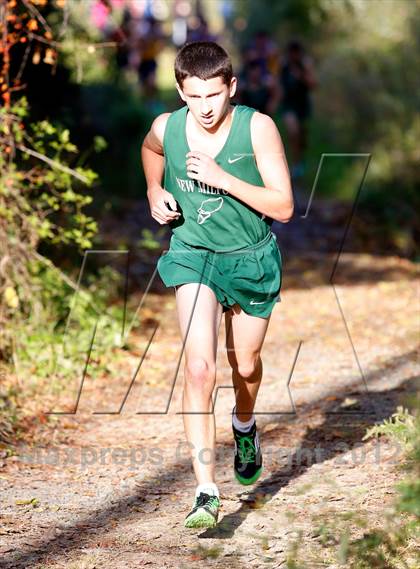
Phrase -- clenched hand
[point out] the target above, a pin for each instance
(158, 208)
(204, 169)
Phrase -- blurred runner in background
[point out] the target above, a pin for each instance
(149, 42)
(264, 49)
(258, 86)
(258, 89)
(296, 79)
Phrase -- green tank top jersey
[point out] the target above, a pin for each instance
(210, 217)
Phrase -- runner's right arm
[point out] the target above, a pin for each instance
(153, 165)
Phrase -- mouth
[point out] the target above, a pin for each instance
(207, 120)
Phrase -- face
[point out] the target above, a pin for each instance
(208, 100)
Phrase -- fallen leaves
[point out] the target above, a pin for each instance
(34, 502)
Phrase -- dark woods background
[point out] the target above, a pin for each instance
(110, 72)
(81, 82)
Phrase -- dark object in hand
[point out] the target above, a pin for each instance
(169, 207)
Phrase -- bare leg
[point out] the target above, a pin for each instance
(199, 324)
(244, 338)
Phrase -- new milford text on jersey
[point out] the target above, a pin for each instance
(189, 186)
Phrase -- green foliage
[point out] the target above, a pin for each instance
(54, 340)
(124, 119)
(405, 428)
(378, 548)
(79, 51)
(150, 241)
(367, 101)
(384, 547)
(41, 200)
(409, 501)
(393, 545)
(284, 18)
(401, 426)
(39, 190)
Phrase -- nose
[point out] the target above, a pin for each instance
(205, 108)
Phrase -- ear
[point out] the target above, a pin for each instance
(232, 88)
(181, 94)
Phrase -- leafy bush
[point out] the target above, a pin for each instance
(69, 317)
(40, 201)
(368, 90)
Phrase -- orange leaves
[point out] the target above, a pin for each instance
(36, 58)
(21, 25)
(50, 56)
(32, 25)
(24, 23)
(5, 94)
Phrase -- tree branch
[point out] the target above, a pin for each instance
(51, 265)
(53, 163)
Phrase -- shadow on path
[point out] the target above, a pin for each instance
(365, 415)
(314, 448)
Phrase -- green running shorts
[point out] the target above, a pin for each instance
(250, 277)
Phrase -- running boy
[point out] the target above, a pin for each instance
(225, 180)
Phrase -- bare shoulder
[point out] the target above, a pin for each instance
(154, 138)
(260, 121)
(264, 132)
(159, 125)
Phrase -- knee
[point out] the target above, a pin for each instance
(199, 372)
(246, 368)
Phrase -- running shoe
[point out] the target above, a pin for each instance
(204, 513)
(248, 456)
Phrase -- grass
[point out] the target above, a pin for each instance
(358, 539)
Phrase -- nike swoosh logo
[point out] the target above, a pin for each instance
(252, 302)
(232, 160)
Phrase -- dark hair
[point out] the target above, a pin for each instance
(203, 59)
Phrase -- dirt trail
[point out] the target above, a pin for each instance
(112, 491)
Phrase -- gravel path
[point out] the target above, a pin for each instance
(113, 490)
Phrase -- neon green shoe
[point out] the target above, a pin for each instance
(204, 513)
(248, 457)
